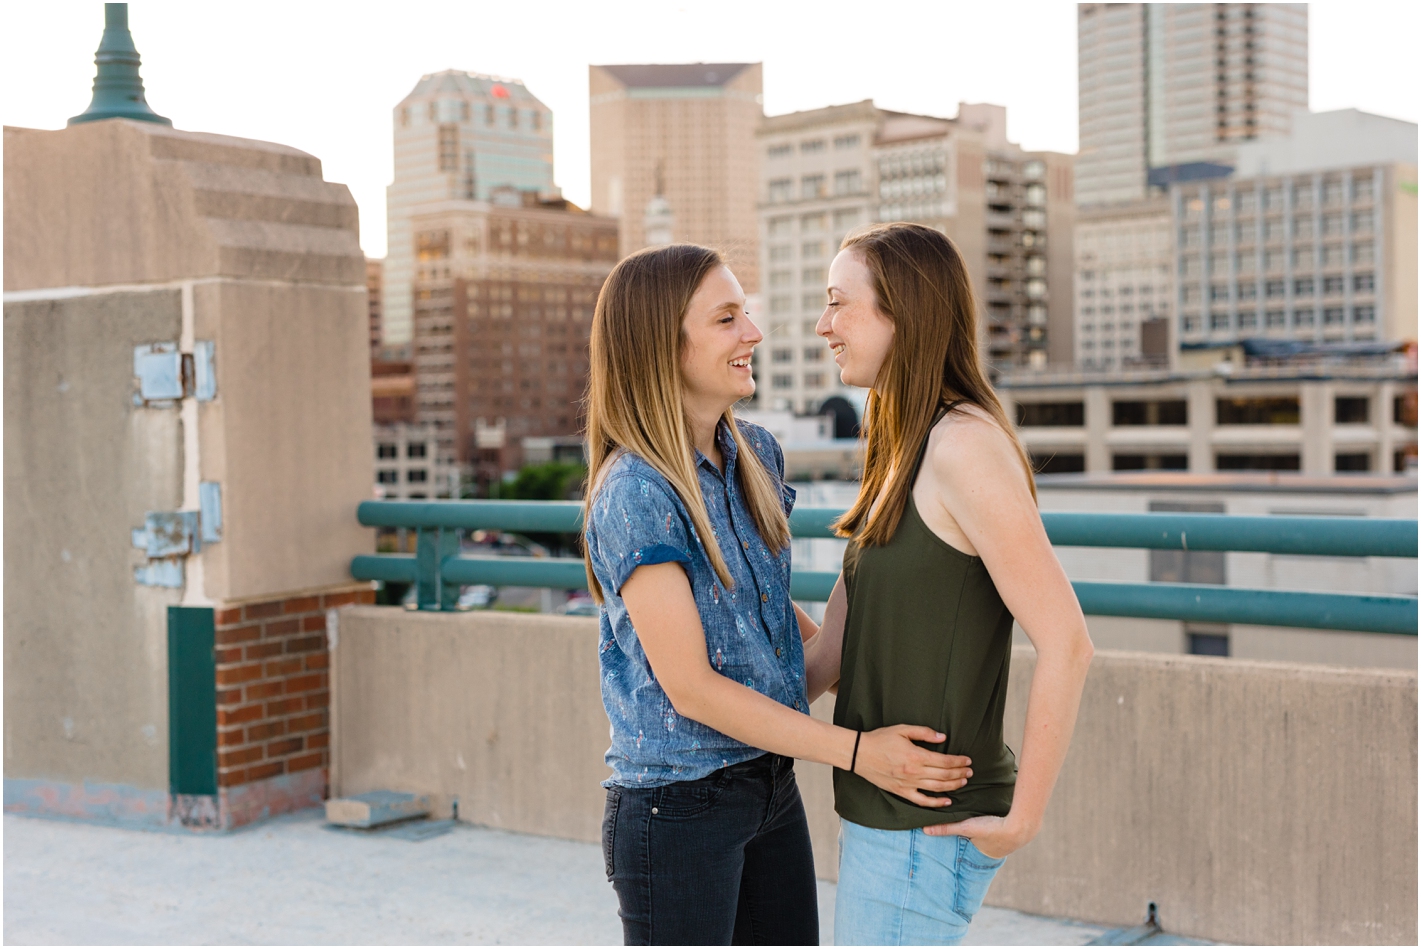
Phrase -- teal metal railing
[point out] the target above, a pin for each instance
(438, 569)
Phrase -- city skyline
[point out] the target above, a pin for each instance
(378, 58)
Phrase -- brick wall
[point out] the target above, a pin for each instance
(273, 686)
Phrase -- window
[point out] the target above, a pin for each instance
(1332, 285)
(1403, 410)
(488, 115)
(1058, 464)
(1036, 266)
(387, 476)
(1239, 462)
(1304, 317)
(1362, 282)
(848, 182)
(780, 226)
(1333, 316)
(1361, 221)
(535, 119)
(1036, 195)
(1245, 263)
(1219, 291)
(812, 223)
(783, 381)
(415, 450)
(814, 380)
(1273, 260)
(781, 278)
(1364, 314)
(1166, 412)
(1247, 201)
(846, 141)
(812, 145)
(417, 475)
(1275, 318)
(1353, 461)
(1351, 410)
(1208, 644)
(1035, 288)
(1050, 414)
(813, 301)
(387, 450)
(1248, 291)
(1281, 410)
(1332, 192)
(811, 186)
(1302, 195)
(781, 190)
(782, 355)
(812, 275)
(1033, 217)
(449, 147)
(1361, 190)
(1218, 321)
(814, 353)
(781, 304)
(1362, 253)
(1273, 198)
(1273, 231)
(1302, 287)
(781, 252)
(1189, 237)
(1302, 227)
(812, 249)
(779, 151)
(1033, 170)
(846, 218)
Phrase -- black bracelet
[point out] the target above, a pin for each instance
(855, 759)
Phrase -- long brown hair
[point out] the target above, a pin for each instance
(634, 394)
(920, 283)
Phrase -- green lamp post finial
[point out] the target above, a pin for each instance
(118, 89)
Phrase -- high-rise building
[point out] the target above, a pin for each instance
(683, 134)
(458, 136)
(828, 171)
(1170, 84)
(504, 292)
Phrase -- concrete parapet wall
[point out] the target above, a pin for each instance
(1255, 802)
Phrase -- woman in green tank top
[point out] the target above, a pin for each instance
(946, 547)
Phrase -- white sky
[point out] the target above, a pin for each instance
(324, 77)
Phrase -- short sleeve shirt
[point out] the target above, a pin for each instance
(752, 635)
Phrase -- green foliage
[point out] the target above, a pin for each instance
(552, 481)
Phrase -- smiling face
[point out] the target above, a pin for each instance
(719, 339)
(857, 331)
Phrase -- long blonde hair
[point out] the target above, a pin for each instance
(921, 284)
(634, 394)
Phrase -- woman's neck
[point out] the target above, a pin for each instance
(702, 422)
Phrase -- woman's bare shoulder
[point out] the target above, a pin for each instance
(969, 442)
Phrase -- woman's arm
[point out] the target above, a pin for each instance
(663, 613)
(824, 652)
(981, 484)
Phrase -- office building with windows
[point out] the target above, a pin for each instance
(458, 137)
(828, 171)
(408, 465)
(683, 134)
(1167, 86)
(504, 293)
(1124, 285)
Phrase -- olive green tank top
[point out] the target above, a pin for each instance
(927, 641)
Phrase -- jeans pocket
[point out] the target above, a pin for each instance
(975, 871)
(609, 829)
(685, 799)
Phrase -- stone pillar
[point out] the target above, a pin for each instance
(1201, 425)
(1315, 405)
(1097, 426)
(187, 436)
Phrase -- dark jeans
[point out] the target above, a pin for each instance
(720, 861)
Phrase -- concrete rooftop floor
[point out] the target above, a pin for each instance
(292, 880)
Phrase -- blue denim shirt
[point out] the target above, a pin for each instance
(751, 632)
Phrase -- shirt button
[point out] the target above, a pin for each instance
(779, 652)
(796, 705)
(656, 811)
(745, 544)
(764, 598)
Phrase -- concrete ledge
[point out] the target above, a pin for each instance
(121, 805)
(1256, 802)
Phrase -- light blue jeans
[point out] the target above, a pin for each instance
(905, 888)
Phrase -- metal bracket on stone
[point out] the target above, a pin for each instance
(168, 536)
(166, 375)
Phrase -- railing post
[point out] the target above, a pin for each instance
(433, 546)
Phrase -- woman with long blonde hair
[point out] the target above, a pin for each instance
(701, 650)
(946, 548)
